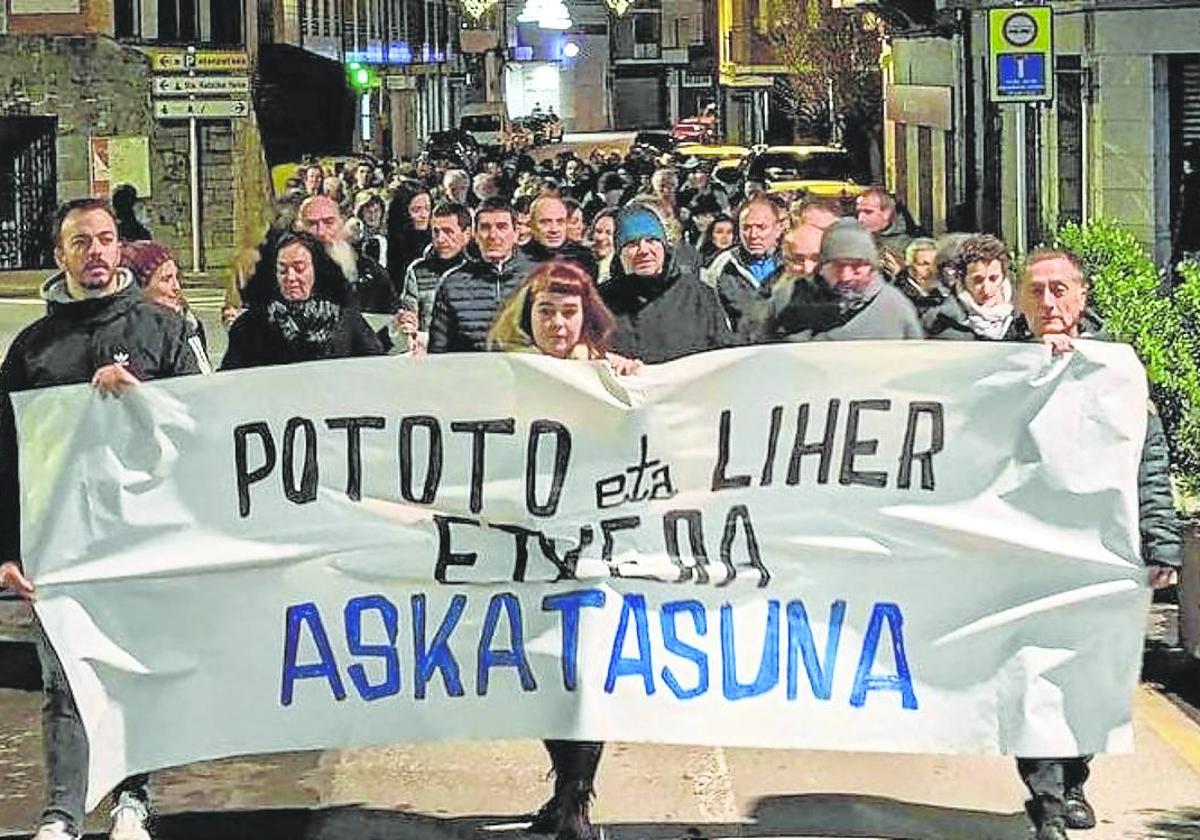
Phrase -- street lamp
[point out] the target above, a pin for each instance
(570, 49)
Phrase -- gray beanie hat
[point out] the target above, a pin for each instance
(848, 240)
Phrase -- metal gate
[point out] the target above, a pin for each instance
(27, 191)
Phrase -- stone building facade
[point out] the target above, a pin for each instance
(70, 86)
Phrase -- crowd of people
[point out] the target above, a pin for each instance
(624, 260)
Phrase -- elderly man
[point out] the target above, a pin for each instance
(372, 287)
(743, 276)
(877, 213)
(548, 225)
(918, 279)
(1053, 298)
(853, 302)
(98, 328)
(662, 309)
(456, 186)
(469, 297)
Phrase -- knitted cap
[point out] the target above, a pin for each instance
(144, 257)
(634, 223)
(848, 240)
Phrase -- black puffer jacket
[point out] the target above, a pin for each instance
(665, 317)
(468, 299)
(535, 252)
(66, 347)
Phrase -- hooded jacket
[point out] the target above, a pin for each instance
(422, 281)
(67, 346)
(664, 317)
(469, 298)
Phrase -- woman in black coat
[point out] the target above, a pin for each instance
(299, 310)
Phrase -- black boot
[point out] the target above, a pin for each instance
(574, 816)
(546, 820)
(1048, 819)
(1078, 813)
(577, 764)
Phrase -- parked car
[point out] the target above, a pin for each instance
(553, 127)
(487, 122)
(655, 141)
(705, 151)
(521, 135)
(702, 129)
(772, 164)
(546, 125)
(454, 145)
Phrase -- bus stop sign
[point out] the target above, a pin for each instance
(1021, 54)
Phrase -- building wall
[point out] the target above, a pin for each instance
(96, 87)
(1126, 168)
(93, 17)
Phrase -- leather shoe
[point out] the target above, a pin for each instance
(1079, 813)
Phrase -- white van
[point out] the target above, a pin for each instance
(487, 122)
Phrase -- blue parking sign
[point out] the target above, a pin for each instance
(1021, 74)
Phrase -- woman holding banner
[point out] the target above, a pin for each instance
(557, 312)
(298, 311)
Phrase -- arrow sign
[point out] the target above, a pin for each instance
(183, 109)
(202, 85)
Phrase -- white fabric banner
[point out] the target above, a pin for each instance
(926, 547)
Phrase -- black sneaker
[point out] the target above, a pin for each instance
(1079, 813)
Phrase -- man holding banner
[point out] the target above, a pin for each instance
(99, 328)
(1053, 299)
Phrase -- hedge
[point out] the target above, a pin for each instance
(1139, 306)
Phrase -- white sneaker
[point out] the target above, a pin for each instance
(56, 830)
(129, 819)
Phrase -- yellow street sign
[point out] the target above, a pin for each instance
(1021, 54)
(201, 61)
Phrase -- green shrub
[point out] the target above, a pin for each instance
(1162, 325)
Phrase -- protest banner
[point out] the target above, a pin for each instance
(863, 546)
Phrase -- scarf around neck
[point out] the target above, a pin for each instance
(308, 323)
(988, 321)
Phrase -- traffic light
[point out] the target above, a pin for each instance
(362, 77)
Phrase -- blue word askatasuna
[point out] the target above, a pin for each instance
(501, 646)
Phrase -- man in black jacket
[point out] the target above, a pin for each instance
(97, 328)
(1053, 299)
(662, 309)
(548, 228)
(470, 296)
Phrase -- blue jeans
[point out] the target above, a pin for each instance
(66, 746)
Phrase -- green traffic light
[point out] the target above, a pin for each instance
(362, 77)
